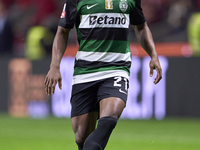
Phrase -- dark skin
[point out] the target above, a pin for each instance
(84, 124)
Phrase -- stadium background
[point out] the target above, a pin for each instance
(31, 120)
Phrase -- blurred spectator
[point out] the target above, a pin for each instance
(40, 35)
(154, 10)
(21, 12)
(6, 34)
(194, 33)
(38, 42)
(194, 30)
(178, 13)
(29, 13)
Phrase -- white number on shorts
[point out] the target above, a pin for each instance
(116, 83)
(118, 79)
(126, 84)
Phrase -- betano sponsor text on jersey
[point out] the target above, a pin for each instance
(106, 20)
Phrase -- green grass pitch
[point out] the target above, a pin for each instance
(56, 134)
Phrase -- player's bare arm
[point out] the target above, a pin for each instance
(59, 46)
(145, 39)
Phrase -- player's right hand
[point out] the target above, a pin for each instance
(52, 77)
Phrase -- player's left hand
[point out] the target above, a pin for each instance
(155, 64)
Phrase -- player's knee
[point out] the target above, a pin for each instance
(80, 138)
(115, 115)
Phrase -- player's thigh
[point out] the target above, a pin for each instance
(112, 106)
(83, 125)
(112, 96)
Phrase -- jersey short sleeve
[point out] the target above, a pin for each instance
(69, 14)
(136, 15)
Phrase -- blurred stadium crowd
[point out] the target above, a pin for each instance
(31, 24)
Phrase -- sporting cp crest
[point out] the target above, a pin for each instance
(123, 5)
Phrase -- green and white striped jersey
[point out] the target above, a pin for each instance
(102, 31)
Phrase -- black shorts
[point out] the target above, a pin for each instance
(86, 96)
